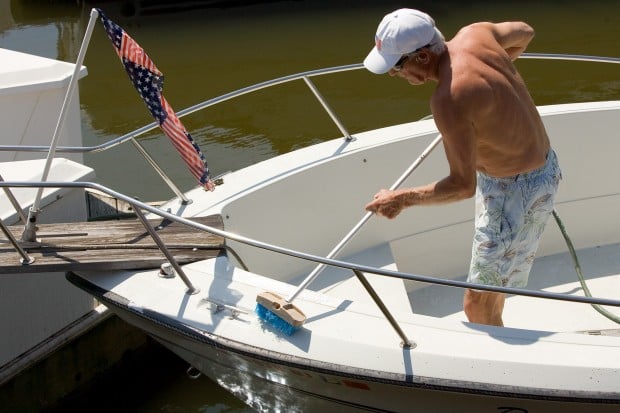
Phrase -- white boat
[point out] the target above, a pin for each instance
(283, 216)
(32, 90)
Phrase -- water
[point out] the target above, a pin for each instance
(207, 52)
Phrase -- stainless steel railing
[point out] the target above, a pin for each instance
(357, 269)
(131, 136)
(305, 76)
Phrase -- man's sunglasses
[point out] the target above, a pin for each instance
(399, 64)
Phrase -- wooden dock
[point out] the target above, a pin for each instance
(110, 245)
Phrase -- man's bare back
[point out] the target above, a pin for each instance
(477, 73)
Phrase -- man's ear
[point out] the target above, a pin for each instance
(423, 57)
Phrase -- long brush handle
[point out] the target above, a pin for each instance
(317, 270)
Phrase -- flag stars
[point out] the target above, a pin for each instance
(148, 81)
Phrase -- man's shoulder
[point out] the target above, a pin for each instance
(474, 30)
(465, 91)
(467, 79)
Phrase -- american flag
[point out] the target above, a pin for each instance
(149, 82)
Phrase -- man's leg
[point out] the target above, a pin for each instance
(484, 307)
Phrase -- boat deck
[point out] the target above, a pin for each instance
(110, 245)
(554, 273)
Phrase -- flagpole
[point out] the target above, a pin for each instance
(30, 230)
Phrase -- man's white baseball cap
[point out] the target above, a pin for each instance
(400, 32)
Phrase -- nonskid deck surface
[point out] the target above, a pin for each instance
(555, 273)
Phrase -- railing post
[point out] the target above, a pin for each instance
(14, 202)
(26, 259)
(327, 108)
(162, 247)
(408, 344)
(151, 161)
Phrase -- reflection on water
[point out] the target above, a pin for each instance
(210, 51)
(54, 32)
(148, 380)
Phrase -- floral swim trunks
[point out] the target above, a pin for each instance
(511, 214)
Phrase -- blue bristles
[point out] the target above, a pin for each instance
(273, 320)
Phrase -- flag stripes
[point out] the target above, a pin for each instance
(148, 81)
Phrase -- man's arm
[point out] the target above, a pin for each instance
(513, 37)
(459, 146)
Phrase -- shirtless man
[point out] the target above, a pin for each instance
(494, 141)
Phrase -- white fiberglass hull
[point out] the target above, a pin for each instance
(346, 356)
(455, 364)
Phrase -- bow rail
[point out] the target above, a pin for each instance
(356, 268)
(302, 255)
(305, 76)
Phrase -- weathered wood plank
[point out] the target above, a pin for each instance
(110, 245)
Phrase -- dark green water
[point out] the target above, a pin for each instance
(206, 52)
